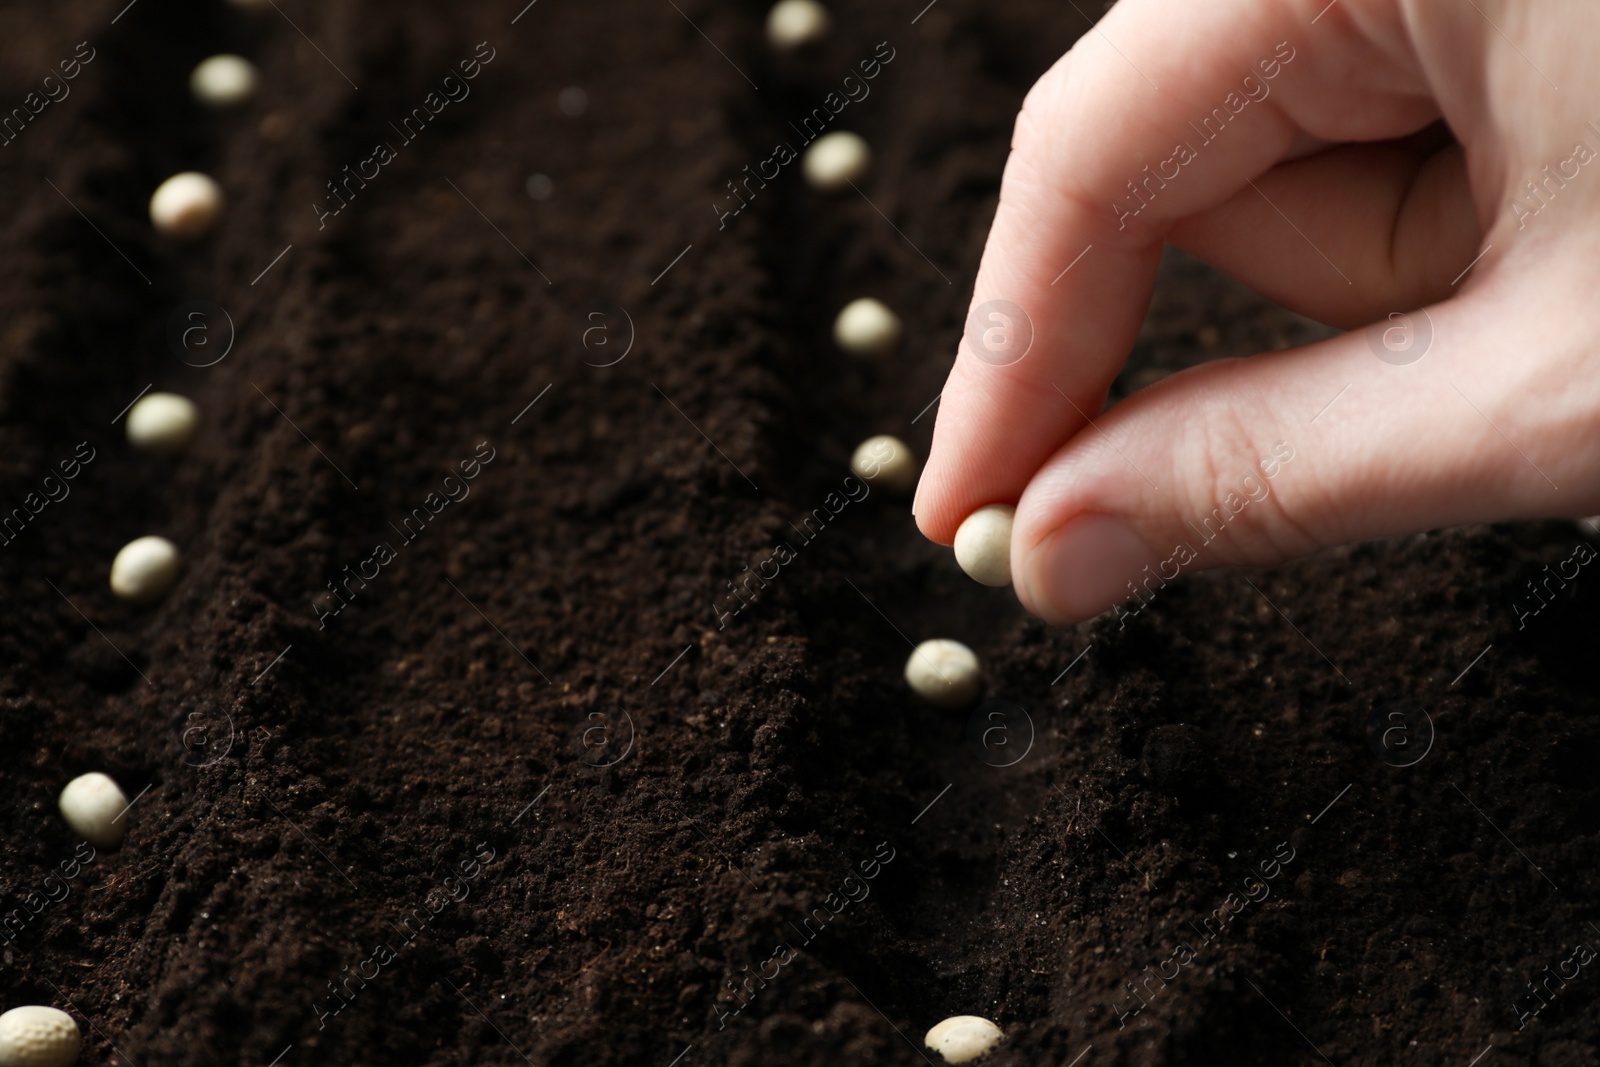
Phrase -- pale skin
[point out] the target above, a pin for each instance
(1357, 210)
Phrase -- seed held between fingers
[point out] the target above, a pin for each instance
(835, 160)
(144, 570)
(983, 544)
(90, 804)
(37, 1036)
(186, 205)
(963, 1038)
(867, 328)
(945, 673)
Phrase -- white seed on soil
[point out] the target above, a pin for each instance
(162, 423)
(867, 328)
(944, 673)
(793, 24)
(886, 462)
(983, 544)
(223, 81)
(963, 1038)
(37, 1036)
(186, 205)
(540, 186)
(90, 803)
(835, 160)
(144, 570)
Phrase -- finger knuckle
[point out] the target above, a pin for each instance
(1234, 507)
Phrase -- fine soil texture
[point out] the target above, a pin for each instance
(466, 736)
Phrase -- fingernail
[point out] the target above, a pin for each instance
(1084, 568)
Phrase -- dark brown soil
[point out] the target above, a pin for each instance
(404, 791)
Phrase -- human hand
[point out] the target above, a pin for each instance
(1317, 182)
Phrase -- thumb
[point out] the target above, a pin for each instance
(1468, 411)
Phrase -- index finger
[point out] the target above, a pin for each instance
(1163, 110)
